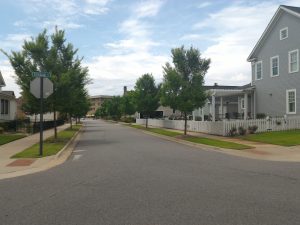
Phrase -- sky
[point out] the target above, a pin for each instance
(120, 40)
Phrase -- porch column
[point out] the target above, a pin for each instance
(213, 105)
(221, 105)
(245, 106)
(202, 114)
(254, 104)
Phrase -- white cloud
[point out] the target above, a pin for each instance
(195, 37)
(96, 7)
(147, 8)
(204, 5)
(14, 41)
(128, 58)
(9, 77)
(235, 30)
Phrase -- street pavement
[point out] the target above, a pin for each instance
(118, 175)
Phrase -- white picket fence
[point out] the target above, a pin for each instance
(223, 127)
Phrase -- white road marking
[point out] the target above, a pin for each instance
(76, 157)
(79, 150)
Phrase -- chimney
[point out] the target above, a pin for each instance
(125, 90)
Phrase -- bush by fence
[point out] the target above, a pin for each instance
(27, 127)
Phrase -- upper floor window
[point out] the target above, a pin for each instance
(258, 70)
(284, 33)
(274, 61)
(294, 61)
(291, 101)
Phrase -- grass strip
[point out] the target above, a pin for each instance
(51, 145)
(198, 140)
(6, 138)
(158, 131)
(216, 143)
(282, 138)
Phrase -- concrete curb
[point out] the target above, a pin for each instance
(56, 160)
(60, 153)
(238, 153)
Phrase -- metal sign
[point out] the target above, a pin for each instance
(35, 87)
(41, 74)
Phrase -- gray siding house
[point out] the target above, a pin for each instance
(275, 65)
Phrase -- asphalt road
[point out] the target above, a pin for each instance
(121, 176)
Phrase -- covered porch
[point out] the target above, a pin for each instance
(228, 104)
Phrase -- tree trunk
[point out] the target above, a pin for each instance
(185, 123)
(55, 125)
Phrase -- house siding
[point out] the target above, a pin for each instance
(271, 91)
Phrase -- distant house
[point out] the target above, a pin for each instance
(8, 105)
(275, 65)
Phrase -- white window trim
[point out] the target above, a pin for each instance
(290, 52)
(287, 101)
(271, 66)
(256, 70)
(287, 33)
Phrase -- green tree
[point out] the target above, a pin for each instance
(146, 95)
(128, 105)
(54, 55)
(182, 87)
(114, 108)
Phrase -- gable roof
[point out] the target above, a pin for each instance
(282, 8)
(2, 83)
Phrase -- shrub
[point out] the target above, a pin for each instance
(232, 132)
(278, 122)
(127, 119)
(1, 130)
(242, 131)
(260, 116)
(252, 129)
(198, 118)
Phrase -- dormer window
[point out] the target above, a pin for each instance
(284, 33)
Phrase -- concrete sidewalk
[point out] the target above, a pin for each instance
(260, 151)
(16, 167)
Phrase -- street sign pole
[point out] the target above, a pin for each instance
(41, 115)
(41, 87)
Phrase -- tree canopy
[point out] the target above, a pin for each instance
(52, 53)
(146, 95)
(182, 86)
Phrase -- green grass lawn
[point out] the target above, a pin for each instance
(199, 140)
(283, 138)
(51, 146)
(6, 138)
(157, 130)
(217, 143)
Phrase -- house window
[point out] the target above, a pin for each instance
(291, 101)
(294, 61)
(274, 61)
(284, 33)
(4, 106)
(258, 70)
